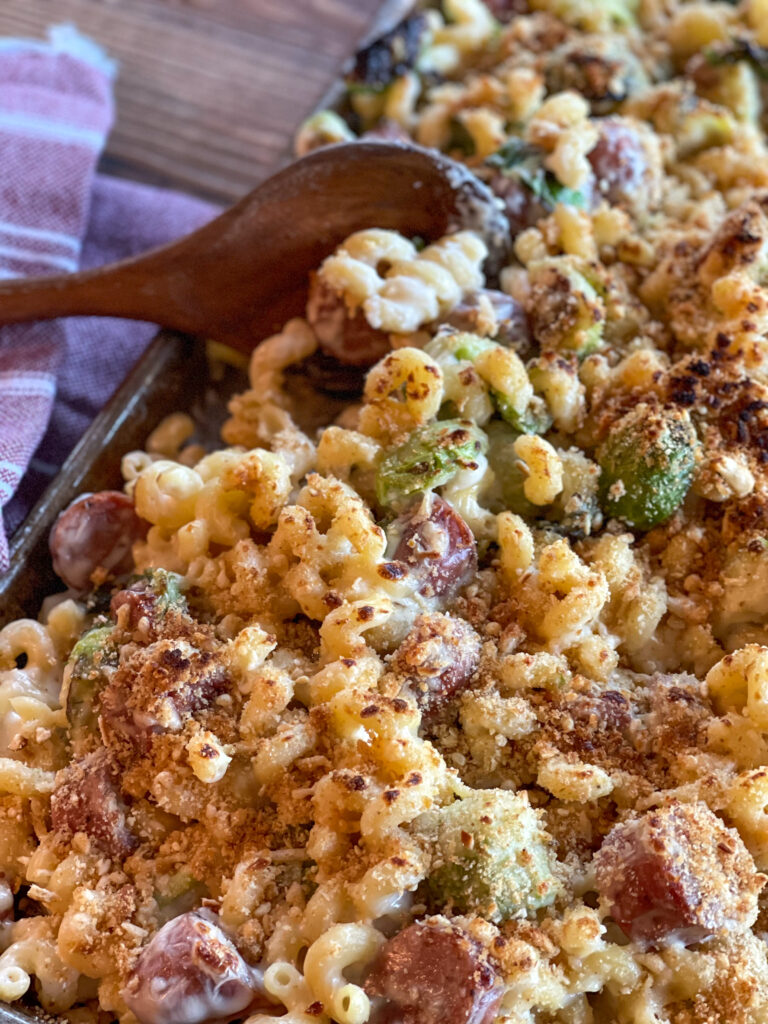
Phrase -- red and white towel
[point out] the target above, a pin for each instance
(57, 214)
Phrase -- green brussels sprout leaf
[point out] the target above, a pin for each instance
(431, 456)
(521, 160)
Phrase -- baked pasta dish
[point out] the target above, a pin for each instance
(442, 699)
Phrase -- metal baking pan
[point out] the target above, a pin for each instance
(174, 373)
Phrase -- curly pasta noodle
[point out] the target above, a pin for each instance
(413, 288)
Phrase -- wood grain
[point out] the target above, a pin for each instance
(209, 91)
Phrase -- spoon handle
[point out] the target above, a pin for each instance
(136, 289)
(241, 276)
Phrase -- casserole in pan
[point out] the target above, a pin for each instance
(446, 701)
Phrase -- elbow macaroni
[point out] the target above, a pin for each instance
(337, 949)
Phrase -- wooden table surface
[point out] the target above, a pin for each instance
(209, 91)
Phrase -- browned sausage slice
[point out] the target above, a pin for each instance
(433, 973)
(348, 337)
(140, 601)
(625, 173)
(513, 328)
(95, 532)
(191, 972)
(155, 689)
(87, 799)
(677, 874)
(437, 658)
(437, 545)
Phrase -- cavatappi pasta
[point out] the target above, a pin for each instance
(449, 704)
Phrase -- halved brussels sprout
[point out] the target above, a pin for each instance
(430, 457)
(647, 463)
(566, 308)
(493, 857)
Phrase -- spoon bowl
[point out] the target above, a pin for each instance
(240, 277)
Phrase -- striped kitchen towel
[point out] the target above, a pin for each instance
(56, 215)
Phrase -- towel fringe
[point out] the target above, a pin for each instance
(68, 39)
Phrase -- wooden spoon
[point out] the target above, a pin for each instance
(239, 278)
